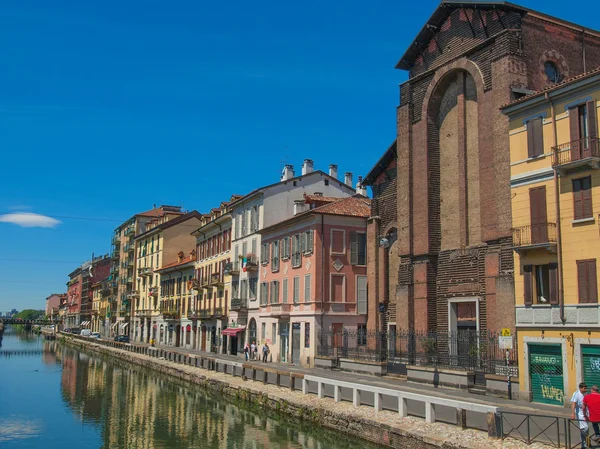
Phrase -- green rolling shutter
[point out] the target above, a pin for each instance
(546, 371)
(591, 365)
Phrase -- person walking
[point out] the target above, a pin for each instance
(253, 350)
(266, 351)
(578, 413)
(247, 351)
(591, 406)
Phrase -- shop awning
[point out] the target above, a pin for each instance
(114, 325)
(124, 327)
(232, 331)
(85, 323)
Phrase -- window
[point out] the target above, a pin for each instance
(337, 288)
(253, 284)
(238, 226)
(264, 293)
(253, 246)
(586, 280)
(307, 296)
(358, 248)
(236, 254)
(307, 335)
(361, 334)
(307, 242)
(535, 137)
(274, 332)
(243, 292)
(551, 71)
(285, 248)
(582, 198)
(540, 284)
(284, 293)
(296, 254)
(338, 245)
(275, 256)
(274, 292)
(264, 253)
(296, 293)
(244, 229)
(326, 183)
(263, 331)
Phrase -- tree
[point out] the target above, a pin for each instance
(30, 314)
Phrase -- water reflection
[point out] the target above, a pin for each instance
(138, 409)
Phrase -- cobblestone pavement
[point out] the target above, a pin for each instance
(438, 434)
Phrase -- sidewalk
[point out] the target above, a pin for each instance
(505, 405)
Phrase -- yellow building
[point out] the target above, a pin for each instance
(160, 244)
(214, 270)
(554, 143)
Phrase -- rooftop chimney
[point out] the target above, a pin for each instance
(360, 189)
(348, 178)
(300, 206)
(307, 167)
(333, 170)
(288, 172)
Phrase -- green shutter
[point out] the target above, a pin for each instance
(591, 365)
(546, 371)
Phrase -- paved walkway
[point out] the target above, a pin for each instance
(505, 405)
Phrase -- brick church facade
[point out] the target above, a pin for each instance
(441, 192)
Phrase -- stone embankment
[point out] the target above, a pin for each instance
(385, 427)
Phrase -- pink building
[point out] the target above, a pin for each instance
(53, 304)
(312, 276)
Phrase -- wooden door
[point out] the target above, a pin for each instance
(539, 215)
(337, 329)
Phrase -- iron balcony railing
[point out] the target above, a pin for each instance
(116, 239)
(239, 303)
(153, 291)
(205, 313)
(129, 247)
(216, 280)
(218, 312)
(576, 150)
(231, 268)
(537, 234)
(129, 231)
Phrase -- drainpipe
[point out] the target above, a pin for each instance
(561, 298)
(323, 265)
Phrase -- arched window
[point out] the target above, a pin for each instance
(552, 72)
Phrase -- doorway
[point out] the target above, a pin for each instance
(203, 341)
(284, 336)
(177, 335)
(296, 343)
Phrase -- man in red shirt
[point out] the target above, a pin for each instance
(591, 408)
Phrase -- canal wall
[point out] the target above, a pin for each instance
(382, 428)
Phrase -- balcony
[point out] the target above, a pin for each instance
(216, 280)
(114, 284)
(204, 314)
(134, 294)
(252, 263)
(171, 314)
(147, 271)
(205, 282)
(239, 303)
(144, 312)
(193, 315)
(534, 237)
(153, 291)
(575, 154)
(129, 248)
(218, 312)
(115, 255)
(129, 231)
(116, 240)
(276, 310)
(231, 269)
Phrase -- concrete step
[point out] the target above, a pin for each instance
(478, 390)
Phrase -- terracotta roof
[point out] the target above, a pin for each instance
(158, 211)
(320, 198)
(554, 87)
(185, 261)
(353, 206)
(172, 222)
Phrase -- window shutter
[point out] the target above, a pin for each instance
(311, 236)
(296, 289)
(361, 294)
(592, 121)
(276, 285)
(303, 242)
(353, 248)
(307, 287)
(577, 199)
(528, 284)
(582, 281)
(553, 282)
(285, 291)
(586, 197)
(535, 138)
(592, 281)
(574, 131)
(530, 139)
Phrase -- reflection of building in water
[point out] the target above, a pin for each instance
(49, 354)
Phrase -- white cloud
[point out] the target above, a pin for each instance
(29, 220)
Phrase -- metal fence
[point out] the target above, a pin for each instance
(462, 350)
(553, 431)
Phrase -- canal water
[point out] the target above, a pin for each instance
(52, 396)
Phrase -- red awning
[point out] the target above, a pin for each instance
(232, 331)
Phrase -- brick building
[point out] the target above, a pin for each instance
(442, 190)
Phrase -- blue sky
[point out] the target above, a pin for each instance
(107, 108)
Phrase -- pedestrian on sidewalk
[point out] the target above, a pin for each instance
(591, 405)
(247, 351)
(253, 350)
(266, 352)
(578, 413)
